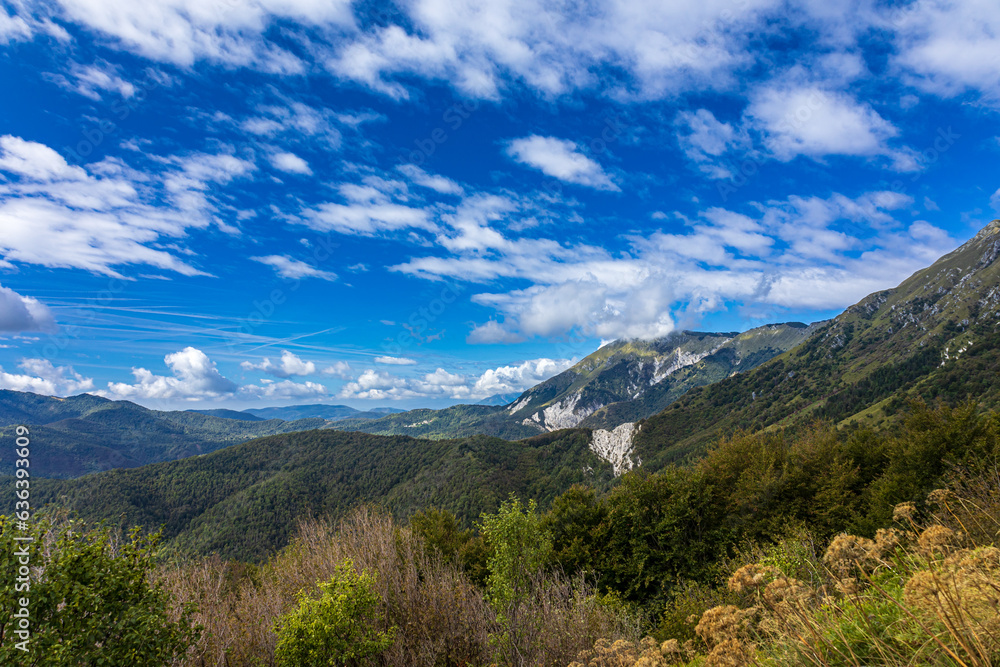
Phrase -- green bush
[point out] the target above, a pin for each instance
(338, 628)
(90, 599)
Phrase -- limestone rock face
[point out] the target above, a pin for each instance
(615, 446)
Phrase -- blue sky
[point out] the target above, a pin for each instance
(254, 202)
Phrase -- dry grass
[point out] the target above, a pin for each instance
(442, 618)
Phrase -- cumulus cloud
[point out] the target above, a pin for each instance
(339, 369)
(395, 361)
(705, 139)
(509, 379)
(369, 208)
(285, 389)
(813, 122)
(225, 34)
(23, 313)
(293, 269)
(773, 255)
(94, 80)
(42, 377)
(436, 182)
(490, 333)
(287, 366)
(380, 385)
(560, 159)
(194, 376)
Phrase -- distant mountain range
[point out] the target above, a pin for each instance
(623, 381)
(327, 412)
(935, 336)
(83, 434)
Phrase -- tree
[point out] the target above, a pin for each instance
(519, 548)
(340, 627)
(90, 598)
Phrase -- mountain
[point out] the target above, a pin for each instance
(242, 501)
(500, 399)
(625, 381)
(328, 412)
(83, 434)
(621, 382)
(229, 414)
(935, 336)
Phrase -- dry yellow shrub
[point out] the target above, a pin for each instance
(846, 552)
(728, 653)
(937, 540)
(887, 541)
(752, 577)
(904, 512)
(624, 653)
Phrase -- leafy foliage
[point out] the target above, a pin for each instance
(89, 597)
(340, 627)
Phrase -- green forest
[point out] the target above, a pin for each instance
(818, 545)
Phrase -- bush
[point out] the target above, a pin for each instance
(338, 628)
(89, 596)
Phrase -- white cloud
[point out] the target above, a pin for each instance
(13, 27)
(435, 182)
(295, 121)
(293, 269)
(58, 215)
(182, 33)
(378, 385)
(947, 48)
(808, 120)
(339, 369)
(288, 366)
(23, 313)
(490, 333)
(994, 201)
(93, 80)
(395, 361)
(194, 377)
(560, 159)
(509, 379)
(41, 377)
(370, 209)
(283, 390)
(290, 163)
(704, 140)
(773, 255)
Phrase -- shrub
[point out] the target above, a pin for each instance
(89, 595)
(340, 627)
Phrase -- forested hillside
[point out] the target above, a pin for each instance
(243, 501)
(934, 336)
(83, 434)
